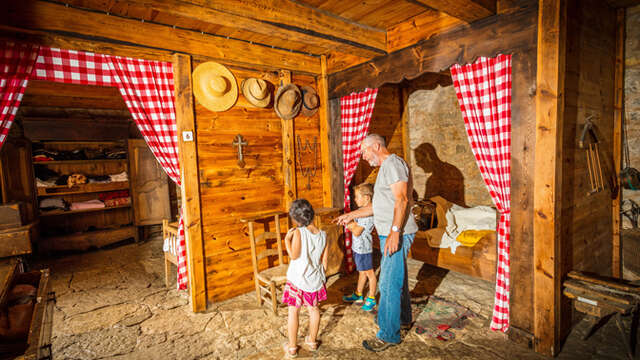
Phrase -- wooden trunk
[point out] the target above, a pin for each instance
(16, 241)
(16, 175)
(12, 215)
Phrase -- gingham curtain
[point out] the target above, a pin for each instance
(147, 89)
(484, 95)
(355, 110)
(16, 64)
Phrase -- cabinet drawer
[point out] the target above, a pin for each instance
(16, 241)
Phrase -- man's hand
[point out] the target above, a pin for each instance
(344, 219)
(391, 244)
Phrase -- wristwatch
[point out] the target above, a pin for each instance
(395, 228)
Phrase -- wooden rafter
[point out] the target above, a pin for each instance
(418, 28)
(623, 3)
(207, 15)
(466, 10)
(291, 15)
(45, 16)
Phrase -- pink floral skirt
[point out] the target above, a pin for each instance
(293, 296)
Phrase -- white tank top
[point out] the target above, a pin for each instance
(306, 272)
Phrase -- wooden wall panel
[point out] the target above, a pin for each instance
(229, 193)
(589, 88)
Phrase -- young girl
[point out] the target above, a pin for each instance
(306, 246)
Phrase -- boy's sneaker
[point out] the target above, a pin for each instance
(369, 304)
(354, 298)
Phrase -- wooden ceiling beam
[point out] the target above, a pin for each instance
(292, 15)
(50, 17)
(623, 3)
(212, 16)
(418, 28)
(465, 10)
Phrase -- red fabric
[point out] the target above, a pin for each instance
(293, 296)
(16, 65)
(356, 110)
(113, 195)
(484, 95)
(147, 89)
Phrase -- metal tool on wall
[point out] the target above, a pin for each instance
(629, 176)
(308, 172)
(593, 157)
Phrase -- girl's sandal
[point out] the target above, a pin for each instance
(289, 352)
(313, 345)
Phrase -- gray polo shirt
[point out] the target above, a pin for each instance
(392, 170)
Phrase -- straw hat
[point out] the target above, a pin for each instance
(310, 101)
(256, 91)
(214, 86)
(288, 101)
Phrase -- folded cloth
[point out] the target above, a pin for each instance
(471, 237)
(117, 201)
(460, 219)
(42, 158)
(56, 203)
(85, 205)
(42, 183)
(119, 177)
(113, 195)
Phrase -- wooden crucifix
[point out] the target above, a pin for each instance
(240, 142)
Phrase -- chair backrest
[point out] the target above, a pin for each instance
(170, 234)
(256, 240)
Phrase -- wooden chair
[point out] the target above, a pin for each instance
(267, 280)
(170, 236)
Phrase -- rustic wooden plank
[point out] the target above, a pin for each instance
(338, 61)
(418, 28)
(466, 10)
(210, 15)
(288, 152)
(337, 167)
(87, 240)
(292, 15)
(37, 15)
(623, 3)
(325, 127)
(616, 261)
(548, 174)
(185, 122)
(578, 275)
(510, 32)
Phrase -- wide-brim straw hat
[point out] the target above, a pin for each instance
(287, 102)
(256, 91)
(214, 86)
(310, 101)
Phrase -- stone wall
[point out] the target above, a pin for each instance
(441, 158)
(632, 91)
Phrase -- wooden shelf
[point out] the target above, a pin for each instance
(63, 212)
(87, 240)
(61, 162)
(82, 188)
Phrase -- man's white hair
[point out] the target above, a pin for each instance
(374, 139)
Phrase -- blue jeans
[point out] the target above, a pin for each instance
(395, 304)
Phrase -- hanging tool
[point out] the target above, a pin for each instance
(593, 157)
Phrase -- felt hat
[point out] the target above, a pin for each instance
(256, 91)
(287, 102)
(310, 101)
(214, 86)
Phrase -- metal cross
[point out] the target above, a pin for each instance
(240, 142)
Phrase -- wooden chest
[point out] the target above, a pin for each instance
(16, 241)
(12, 215)
(37, 344)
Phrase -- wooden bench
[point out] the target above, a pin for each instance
(603, 298)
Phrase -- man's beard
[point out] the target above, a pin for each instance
(374, 162)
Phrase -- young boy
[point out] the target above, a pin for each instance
(362, 248)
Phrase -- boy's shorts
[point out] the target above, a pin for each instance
(364, 262)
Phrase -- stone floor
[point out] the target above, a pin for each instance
(113, 304)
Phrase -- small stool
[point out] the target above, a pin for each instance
(603, 298)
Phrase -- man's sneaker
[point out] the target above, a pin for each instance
(377, 345)
(358, 299)
(369, 304)
(405, 328)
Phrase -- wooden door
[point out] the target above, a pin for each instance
(16, 175)
(149, 185)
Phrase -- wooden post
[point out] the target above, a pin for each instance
(548, 175)
(406, 139)
(288, 151)
(185, 123)
(616, 263)
(328, 177)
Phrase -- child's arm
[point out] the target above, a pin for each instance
(355, 228)
(325, 257)
(292, 242)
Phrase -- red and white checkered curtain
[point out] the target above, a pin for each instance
(356, 110)
(147, 89)
(484, 95)
(16, 64)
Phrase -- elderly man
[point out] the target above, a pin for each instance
(390, 209)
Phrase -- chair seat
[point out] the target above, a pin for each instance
(277, 274)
